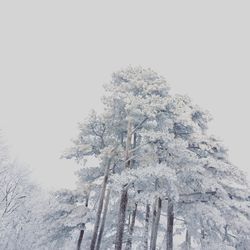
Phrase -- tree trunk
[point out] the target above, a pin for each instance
(153, 219)
(99, 239)
(156, 214)
(187, 241)
(121, 218)
(153, 224)
(131, 229)
(79, 242)
(202, 240)
(128, 145)
(87, 201)
(100, 207)
(132, 224)
(146, 228)
(170, 225)
(124, 195)
(134, 146)
(226, 236)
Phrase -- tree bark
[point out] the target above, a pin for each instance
(187, 241)
(170, 225)
(79, 242)
(132, 224)
(128, 144)
(121, 218)
(99, 239)
(131, 229)
(146, 228)
(134, 146)
(202, 240)
(87, 201)
(156, 214)
(100, 207)
(124, 195)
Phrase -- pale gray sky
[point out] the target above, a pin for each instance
(55, 56)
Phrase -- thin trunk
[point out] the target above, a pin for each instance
(202, 234)
(134, 146)
(99, 239)
(146, 227)
(79, 242)
(131, 229)
(202, 240)
(100, 207)
(121, 218)
(128, 145)
(187, 241)
(129, 220)
(124, 195)
(226, 236)
(122, 137)
(153, 224)
(170, 225)
(154, 233)
(87, 201)
(132, 222)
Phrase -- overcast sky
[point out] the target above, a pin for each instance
(56, 55)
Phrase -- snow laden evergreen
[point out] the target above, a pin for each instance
(151, 177)
(155, 177)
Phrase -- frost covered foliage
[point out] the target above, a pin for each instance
(151, 177)
(162, 181)
(21, 207)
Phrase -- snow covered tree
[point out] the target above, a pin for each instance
(67, 216)
(21, 206)
(154, 152)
